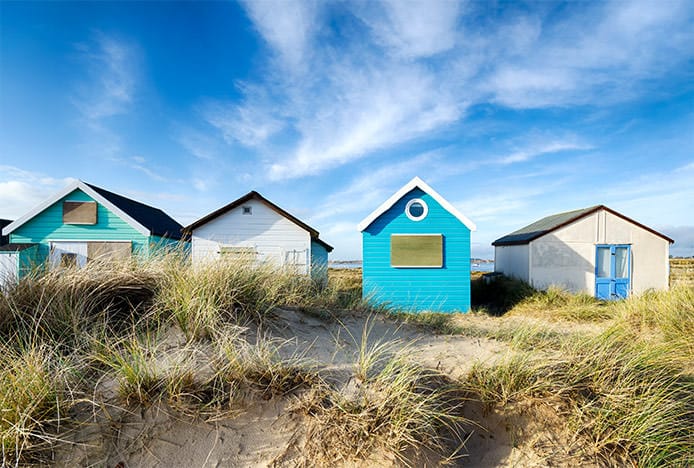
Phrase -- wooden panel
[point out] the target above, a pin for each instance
(416, 250)
(77, 212)
(237, 253)
(109, 250)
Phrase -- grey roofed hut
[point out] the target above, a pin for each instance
(595, 250)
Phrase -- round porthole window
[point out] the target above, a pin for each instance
(416, 209)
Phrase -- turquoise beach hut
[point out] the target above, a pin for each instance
(80, 223)
(416, 252)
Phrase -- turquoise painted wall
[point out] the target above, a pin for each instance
(158, 242)
(445, 289)
(319, 261)
(48, 226)
(29, 260)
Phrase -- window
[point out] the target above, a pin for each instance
(604, 258)
(77, 212)
(416, 250)
(247, 210)
(68, 260)
(416, 209)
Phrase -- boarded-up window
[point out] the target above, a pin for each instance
(240, 253)
(108, 250)
(416, 250)
(75, 212)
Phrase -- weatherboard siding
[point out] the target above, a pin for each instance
(445, 289)
(319, 261)
(48, 226)
(271, 234)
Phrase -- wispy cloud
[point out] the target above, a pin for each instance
(197, 143)
(110, 77)
(21, 190)
(371, 188)
(408, 70)
(413, 28)
(540, 149)
(287, 27)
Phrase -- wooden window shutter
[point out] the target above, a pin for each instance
(416, 251)
(109, 250)
(75, 212)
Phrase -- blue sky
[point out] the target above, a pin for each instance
(511, 111)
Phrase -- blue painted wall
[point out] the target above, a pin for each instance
(319, 261)
(445, 289)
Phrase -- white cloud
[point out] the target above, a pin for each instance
(22, 190)
(410, 70)
(596, 55)
(540, 149)
(110, 77)
(198, 144)
(286, 26)
(371, 188)
(251, 124)
(414, 28)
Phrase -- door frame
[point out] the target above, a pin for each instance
(612, 280)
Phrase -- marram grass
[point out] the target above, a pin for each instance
(626, 391)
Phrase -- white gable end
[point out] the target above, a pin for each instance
(274, 237)
(411, 185)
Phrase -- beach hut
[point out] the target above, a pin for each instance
(252, 226)
(80, 223)
(416, 252)
(595, 250)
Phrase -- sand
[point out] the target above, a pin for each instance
(266, 432)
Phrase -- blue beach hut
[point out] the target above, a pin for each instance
(416, 252)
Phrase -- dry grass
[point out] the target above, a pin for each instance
(626, 390)
(389, 404)
(32, 393)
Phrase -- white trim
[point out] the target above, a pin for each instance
(92, 240)
(78, 184)
(425, 209)
(416, 183)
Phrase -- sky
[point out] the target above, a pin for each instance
(511, 111)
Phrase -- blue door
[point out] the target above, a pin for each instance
(612, 271)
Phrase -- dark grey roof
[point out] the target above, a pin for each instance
(15, 247)
(4, 239)
(542, 227)
(550, 223)
(154, 219)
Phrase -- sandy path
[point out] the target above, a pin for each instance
(335, 343)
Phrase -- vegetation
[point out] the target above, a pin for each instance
(392, 403)
(627, 389)
(136, 334)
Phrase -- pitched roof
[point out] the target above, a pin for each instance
(3, 223)
(16, 247)
(408, 187)
(144, 218)
(255, 195)
(158, 222)
(551, 223)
